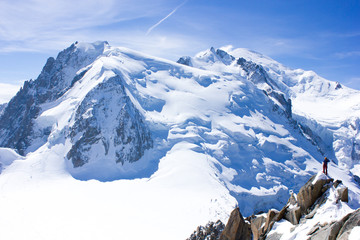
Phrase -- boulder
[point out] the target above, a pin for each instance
(236, 228)
(337, 183)
(328, 232)
(293, 215)
(257, 226)
(339, 230)
(270, 219)
(311, 191)
(343, 194)
(261, 225)
(280, 215)
(342, 191)
(350, 221)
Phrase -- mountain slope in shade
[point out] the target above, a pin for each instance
(173, 145)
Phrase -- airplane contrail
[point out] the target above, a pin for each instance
(158, 23)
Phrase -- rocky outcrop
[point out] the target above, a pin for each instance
(107, 126)
(2, 108)
(256, 73)
(236, 227)
(302, 206)
(186, 60)
(311, 191)
(339, 230)
(310, 197)
(17, 121)
(257, 224)
(328, 232)
(350, 221)
(261, 225)
(211, 231)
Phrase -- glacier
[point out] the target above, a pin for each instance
(113, 140)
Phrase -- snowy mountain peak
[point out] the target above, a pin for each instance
(232, 127)
(213, 55)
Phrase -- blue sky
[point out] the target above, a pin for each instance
(319, 35)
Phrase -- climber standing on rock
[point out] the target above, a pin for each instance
(325, 165)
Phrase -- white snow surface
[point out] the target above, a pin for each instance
(218, 143)
(8, 156)
(330, 109)
(355, 233)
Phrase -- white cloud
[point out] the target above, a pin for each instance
(169, 46)
(343, 55)
(7, 91)
(279, 46)
(38, 25)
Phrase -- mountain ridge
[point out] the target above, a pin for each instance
(222, 132)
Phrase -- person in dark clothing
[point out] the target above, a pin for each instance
(325, 165)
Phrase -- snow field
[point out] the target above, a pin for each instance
(56, 206)
(218, 142)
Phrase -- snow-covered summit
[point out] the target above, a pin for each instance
(324, 108)
(193, 139)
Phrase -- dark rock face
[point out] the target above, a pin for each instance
(186, 60)
(211, 231)
(17, 120)
(338, 86)
(257, 74)
(224, 56)
(2, 108)
(355, 152)
(236, 228)
(108, 124)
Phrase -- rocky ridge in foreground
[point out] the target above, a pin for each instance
(319, 195)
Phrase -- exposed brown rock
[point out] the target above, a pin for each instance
(350, 221)
(293, 215)
(281, 214)
(236, 227)
(329, 232)
(261, 226)
(257, 226)
(310, 192)
(337, 183)
(270, 219)
(339, 230)
(343, 194)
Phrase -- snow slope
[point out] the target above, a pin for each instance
(217, 133)
(331, 110)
